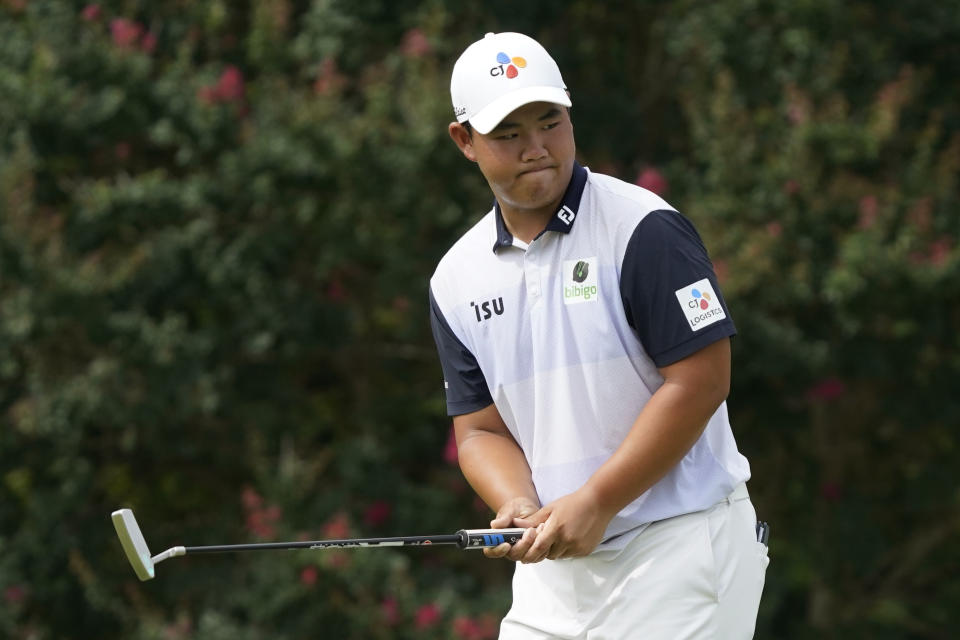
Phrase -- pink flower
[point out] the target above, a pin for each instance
(415, 44)
(489, 627)
(390, 611)
(335, 290)
(450, 450)
(377, 513)
(337, 527)
(797, 113)
(149, 42)
(260, 520)
(465, 627)
(229, 87)
(91, 12)
(652, 180)
(261, 523)
(831, 491)
(328, 77)
(939, 251)
(827, 389)
(337, 559)
(182, 628)
(125, 32)
(15, 594)
(401, 304)
(308, 576)
(207, 95)
(868, 211)
(469, 628)
(920, 214)
(775, 229)
(790, 187)
(798, 105)
(250, 498)
(426, 616)
(722, 269)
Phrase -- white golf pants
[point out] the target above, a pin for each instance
(693, 577)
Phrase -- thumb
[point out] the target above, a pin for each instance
(502, 521)
(534, 519)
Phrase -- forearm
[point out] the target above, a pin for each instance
(663, 433)
(496, 468)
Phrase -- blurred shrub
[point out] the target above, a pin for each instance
(217, 222)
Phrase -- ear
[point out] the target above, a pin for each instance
(460, 136)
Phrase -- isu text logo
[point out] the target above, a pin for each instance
(488, 308)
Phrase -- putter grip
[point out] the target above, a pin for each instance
(481, 538)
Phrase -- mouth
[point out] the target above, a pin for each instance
(536, 170)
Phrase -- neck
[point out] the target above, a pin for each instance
(526, 224)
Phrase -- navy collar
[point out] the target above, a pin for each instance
(561, 221)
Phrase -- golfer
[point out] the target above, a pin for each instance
(585, 346)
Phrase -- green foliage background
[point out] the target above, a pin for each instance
(217, 223)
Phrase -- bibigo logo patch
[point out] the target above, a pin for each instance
(700, 304)
(580, 281)
(507, 66)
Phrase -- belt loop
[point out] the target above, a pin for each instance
(739, 493)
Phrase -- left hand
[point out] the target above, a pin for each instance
(569, 527)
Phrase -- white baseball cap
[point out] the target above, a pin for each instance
(500, 73)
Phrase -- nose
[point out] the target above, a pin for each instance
(534, 147)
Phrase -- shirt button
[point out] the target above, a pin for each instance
(533, 281)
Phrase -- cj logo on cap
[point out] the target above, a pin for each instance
(510, 71)
(700, 304)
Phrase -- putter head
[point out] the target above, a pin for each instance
(133, 543)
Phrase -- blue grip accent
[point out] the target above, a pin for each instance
(492, 540)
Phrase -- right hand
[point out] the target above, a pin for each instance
(515, 508)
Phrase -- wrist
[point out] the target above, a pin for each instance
(606, 504)
(519, 506)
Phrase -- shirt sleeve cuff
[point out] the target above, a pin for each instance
(461, 407)
(713, 334)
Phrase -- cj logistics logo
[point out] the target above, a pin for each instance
(701, 300)
(580, 281)
(700, 304)
(512, 64)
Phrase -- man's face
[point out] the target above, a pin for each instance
(528, 158)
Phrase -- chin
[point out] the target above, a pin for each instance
(533, 203)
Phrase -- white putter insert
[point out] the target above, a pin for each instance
(136, 547)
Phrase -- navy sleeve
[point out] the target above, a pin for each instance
(465, 385)
(669, 290)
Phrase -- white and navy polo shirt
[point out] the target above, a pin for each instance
(565, 336)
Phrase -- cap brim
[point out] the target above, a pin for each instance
(491, 115)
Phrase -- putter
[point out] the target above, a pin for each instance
(134, 545)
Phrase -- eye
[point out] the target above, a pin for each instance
(507, 136)
(551, 125)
